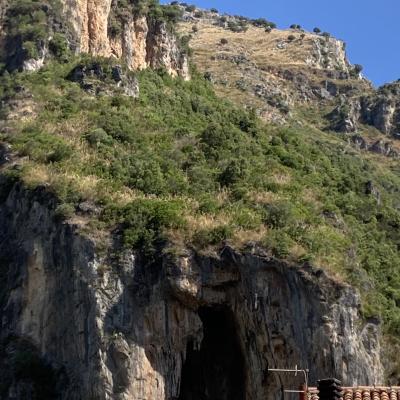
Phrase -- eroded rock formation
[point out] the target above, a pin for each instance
(381, 109)
(141, 41)
(169, 329)
(329, 53)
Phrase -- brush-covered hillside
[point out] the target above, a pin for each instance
(203, 131)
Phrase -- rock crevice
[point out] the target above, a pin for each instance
(131, 329)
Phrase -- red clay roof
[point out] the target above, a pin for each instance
(363, 393)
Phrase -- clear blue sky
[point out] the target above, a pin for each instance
(371, 28)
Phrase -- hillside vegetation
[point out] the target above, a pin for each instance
(180, 165)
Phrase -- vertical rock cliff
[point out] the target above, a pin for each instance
(140, 41)
(170, 329)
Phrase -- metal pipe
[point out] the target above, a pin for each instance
(295, 391)
(296, 370)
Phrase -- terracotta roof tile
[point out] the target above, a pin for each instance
(362, 393)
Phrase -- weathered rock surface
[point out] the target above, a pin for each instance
(94, 79)
(271, 70)
(329, 53)
(381, 109)
(141, 41)
(127, 329)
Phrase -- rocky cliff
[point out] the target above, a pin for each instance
(100, 28)
(139, 40)
(273, 70)
(97, 327)
(85, 315)
(287, 74)
(380, 109)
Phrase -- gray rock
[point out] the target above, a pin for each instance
(94, 79)
(4, 153)
(381, 109)
(129, 329)
(384, 148)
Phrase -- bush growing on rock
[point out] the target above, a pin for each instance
(263, 23)
(224, 41)
(358, 68)
(190, 8)
(58, 45)
(171, 14)
(238, 26)
(317, 30)
(180, 158)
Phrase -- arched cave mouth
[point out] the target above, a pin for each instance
(215, 371)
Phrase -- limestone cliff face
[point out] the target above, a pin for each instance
(126, 329)
(381, 109)
(141, 43)
(330, 54)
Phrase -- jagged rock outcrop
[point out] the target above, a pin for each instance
(124, 328)
(271, 70)
(329, 53)
(94, 79)
(140, 42)
(380, 109)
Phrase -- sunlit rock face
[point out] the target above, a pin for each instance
(87, 25)
(169, 329)
(141, 42)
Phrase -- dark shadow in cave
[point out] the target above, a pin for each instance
(216, 371)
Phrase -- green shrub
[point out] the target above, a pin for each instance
(357, 68)
(144, 221)
(190, 8)
(65, 211)
(98, 136)
(263, 23)
(214, 236)
(278, 242)
(58, 45)
(41, 146)
(279, 215)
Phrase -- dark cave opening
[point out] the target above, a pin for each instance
(215, 371)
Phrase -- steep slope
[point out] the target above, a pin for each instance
(173, 242)
(269, 69)
(286, 73)
(124, 329)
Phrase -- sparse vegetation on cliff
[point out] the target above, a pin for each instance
(180, 164)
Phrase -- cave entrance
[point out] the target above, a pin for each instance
(215, 371)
